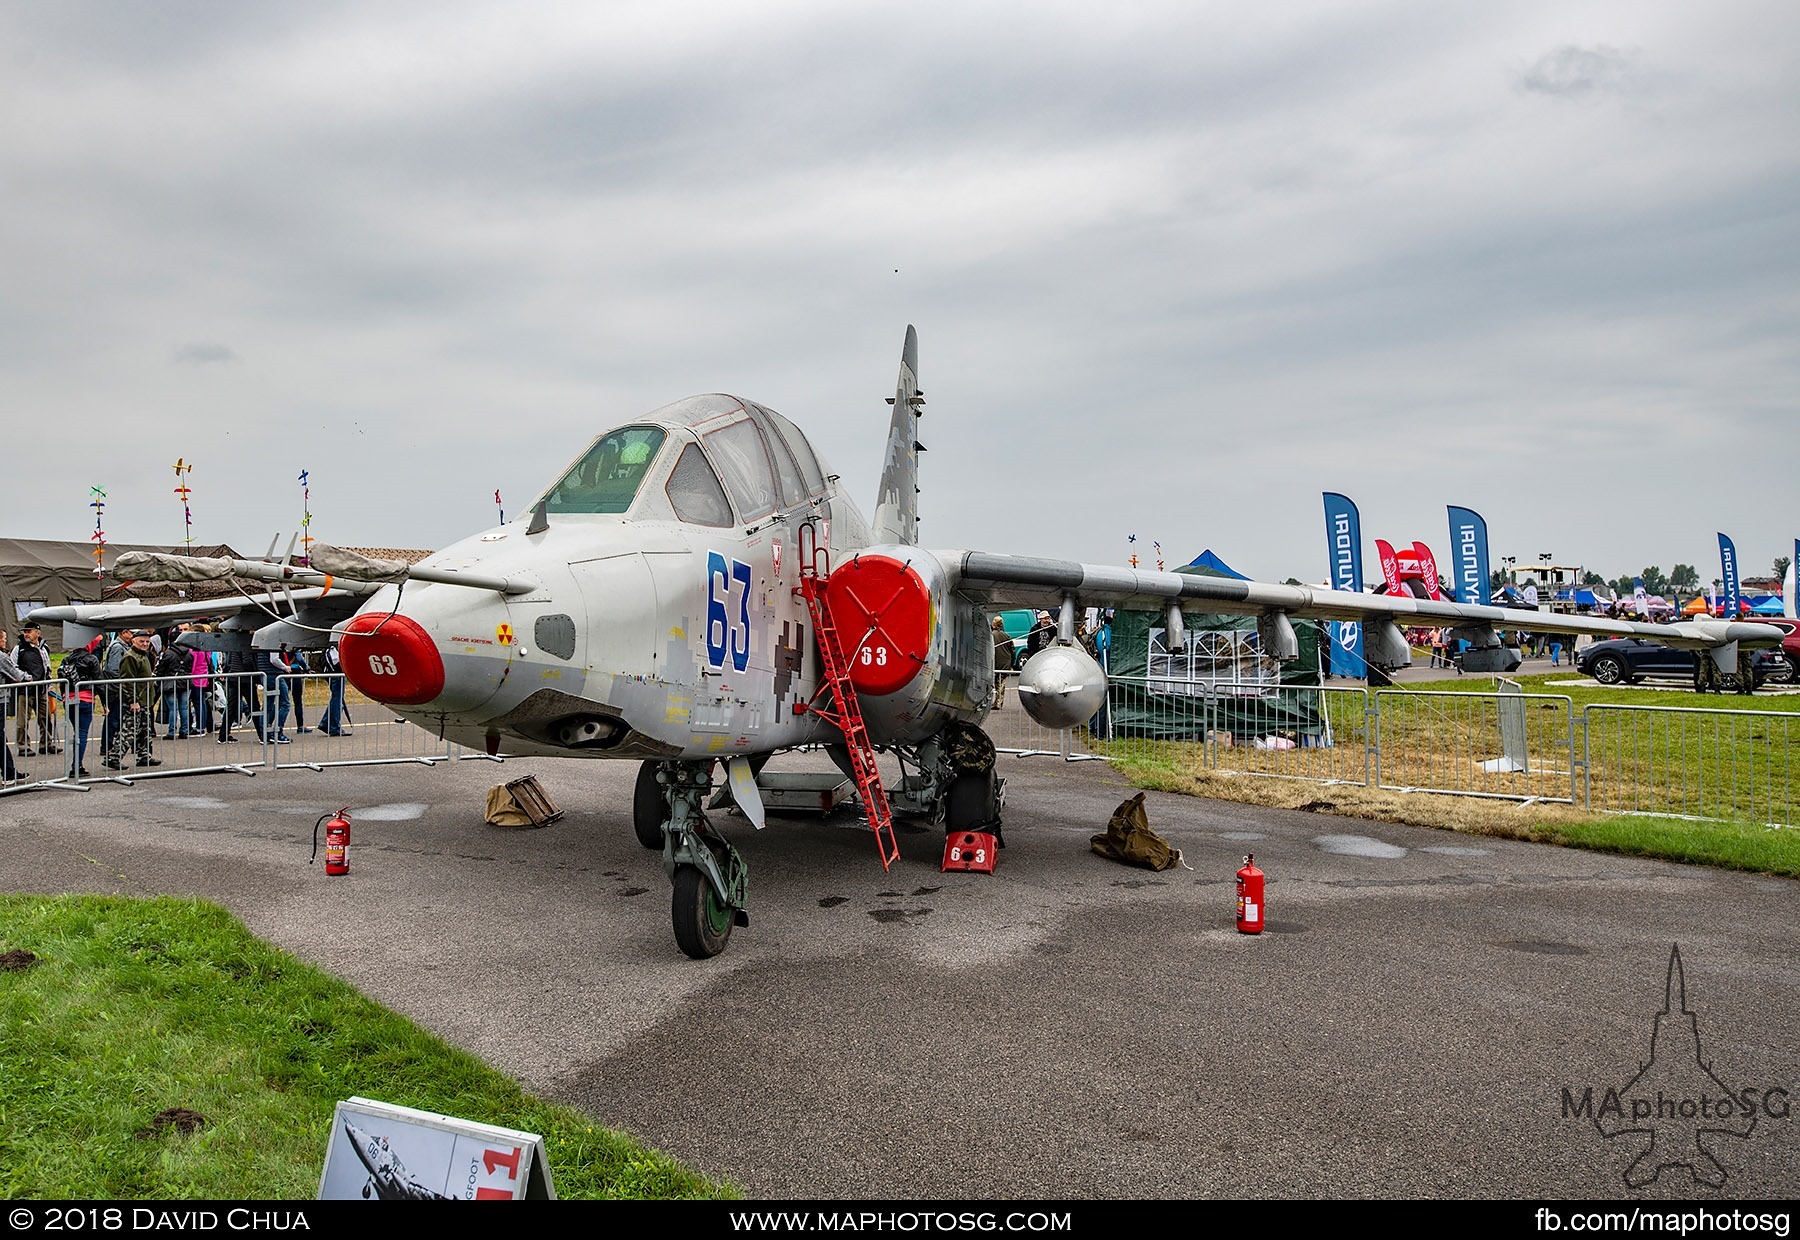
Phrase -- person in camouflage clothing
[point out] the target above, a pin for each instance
(137, 706)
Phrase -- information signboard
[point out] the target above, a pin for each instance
(382, 1152)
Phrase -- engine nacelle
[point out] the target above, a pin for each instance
(920, 656)
(1061, 686)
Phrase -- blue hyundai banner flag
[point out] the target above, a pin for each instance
(1469, 556)
(1343, 542)
(1728, 569)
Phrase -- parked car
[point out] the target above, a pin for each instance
(1784, 668)
(1626, 660)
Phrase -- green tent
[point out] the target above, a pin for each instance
(1220, 684)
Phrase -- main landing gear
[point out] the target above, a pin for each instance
(707, 876)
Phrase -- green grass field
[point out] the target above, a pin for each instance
(138, 1009)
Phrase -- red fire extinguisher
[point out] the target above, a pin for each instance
(337, 841)
(1251, 913)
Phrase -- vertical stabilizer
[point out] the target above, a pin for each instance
(897, 503)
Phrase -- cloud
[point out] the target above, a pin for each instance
(203, 354)
(1578, 72)
(1190, 266)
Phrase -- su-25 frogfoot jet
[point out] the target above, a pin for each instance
(662, 600)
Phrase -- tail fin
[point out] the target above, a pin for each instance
(897, 503)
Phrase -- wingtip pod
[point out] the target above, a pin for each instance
(909, 352)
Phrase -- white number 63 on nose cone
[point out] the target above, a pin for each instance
(383, 665)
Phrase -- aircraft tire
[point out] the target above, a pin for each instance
(970, 803)
(649, 809)
(702, 924)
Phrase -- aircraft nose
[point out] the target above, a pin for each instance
(391, 658)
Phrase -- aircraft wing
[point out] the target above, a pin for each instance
(299, 607)
(998, 581)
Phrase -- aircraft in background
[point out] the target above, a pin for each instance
(662, 600)
(389, 1179)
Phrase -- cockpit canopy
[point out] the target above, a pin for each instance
(608, 477)
(749, 459)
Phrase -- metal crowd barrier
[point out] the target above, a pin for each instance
(1518, 746)
(35, 710)
(123, 748)
(1702, 763)
(1734, 764)
(355, 732)
(237, 722)
(1016, 733)
(1705, 763)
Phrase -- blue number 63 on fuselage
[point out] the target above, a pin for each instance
(722, 633)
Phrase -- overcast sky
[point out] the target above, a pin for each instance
(1176, 268)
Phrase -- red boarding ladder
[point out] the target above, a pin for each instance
(848, 717)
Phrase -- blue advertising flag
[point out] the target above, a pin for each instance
(1793, 583)
(1728, 566)
(1343, 542)
(1469, 556)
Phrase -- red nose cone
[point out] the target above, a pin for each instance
(390, 658)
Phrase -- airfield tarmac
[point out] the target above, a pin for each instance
(1066, 1028)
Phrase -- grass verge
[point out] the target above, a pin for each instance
(1725, 845)
(130, 1011)
(1713, 772)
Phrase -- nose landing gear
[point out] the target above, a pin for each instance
(707, 875)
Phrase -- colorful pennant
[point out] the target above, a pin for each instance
(187, 514)
(98, 537)
(306, 538)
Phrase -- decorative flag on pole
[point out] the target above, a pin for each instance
(1343, 548)
(1390, 568)
(1428, 571)
(1159, 559)
(1469, 543)
(306, 538)
(501, 506)
(1728, 561)
(98, 537)
(181, 488)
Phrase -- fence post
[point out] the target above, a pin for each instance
(1372, 726)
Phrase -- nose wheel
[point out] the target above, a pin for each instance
(702, 924)
(708, 877)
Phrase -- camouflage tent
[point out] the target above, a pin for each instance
(46, 573)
